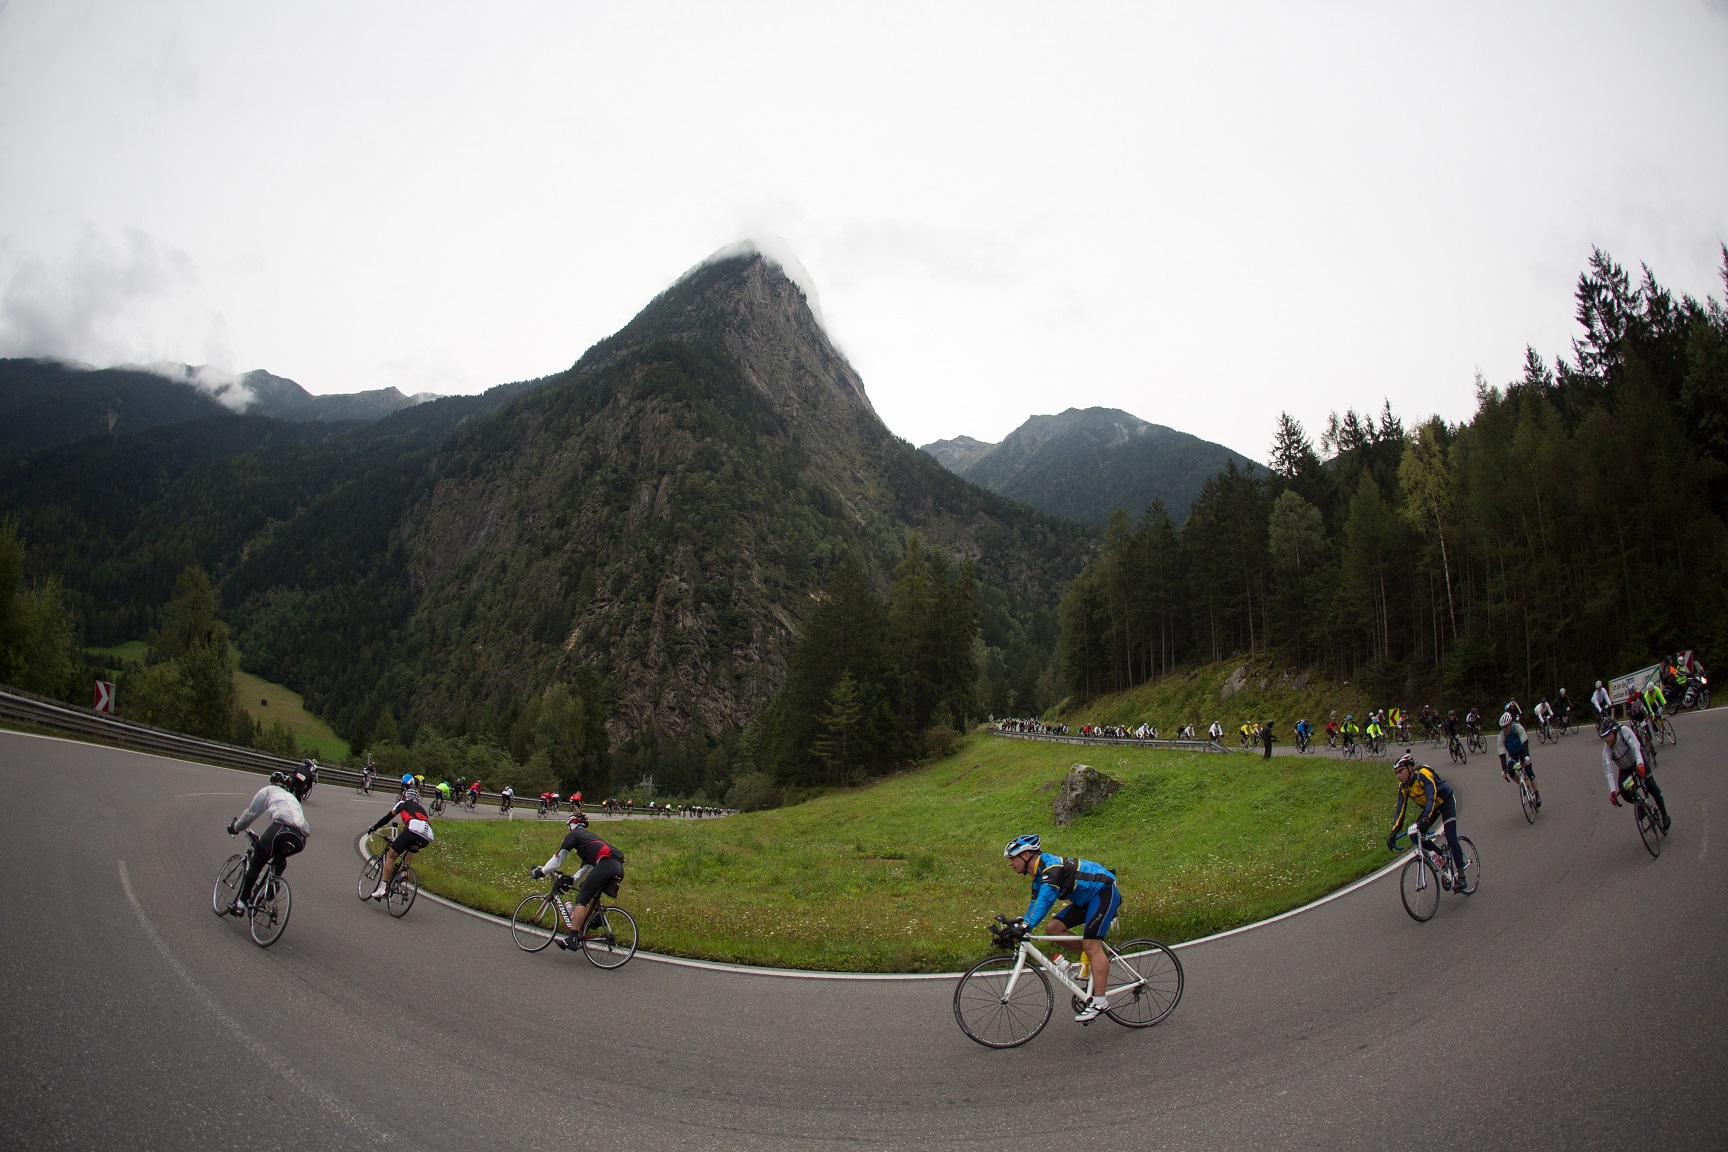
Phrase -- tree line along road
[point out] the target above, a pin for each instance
(1576, 1001)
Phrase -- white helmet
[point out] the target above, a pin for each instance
(1505, 719)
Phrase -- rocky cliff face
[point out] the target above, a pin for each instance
(665, 512)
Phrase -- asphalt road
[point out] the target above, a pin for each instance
(1577, 1001)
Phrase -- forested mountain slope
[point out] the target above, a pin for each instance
(47, 402)
(659, 518)
(1084, 463)
(663, 512)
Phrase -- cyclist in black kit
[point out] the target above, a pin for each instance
(605, 868)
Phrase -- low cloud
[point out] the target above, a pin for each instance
(92, 304)
(226, 388)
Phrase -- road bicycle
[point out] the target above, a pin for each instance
(436, 804)
(1520, 775)
(1352, 749)
(608, 936)
(1376, 745)
(1004, 1001)
(1644, 810)
(1475, 742)
(364, 788)
(1545, 733)
(404, 883)
(267, 911)
(469, 801)
(1302, 742)
(1455, 746)
(1664, 728)
(1431, 871)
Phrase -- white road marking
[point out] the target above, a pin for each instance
(264, 1056)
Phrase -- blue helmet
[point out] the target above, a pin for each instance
(408, 779)
(1026, 843)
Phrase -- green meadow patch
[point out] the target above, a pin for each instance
(904, 874)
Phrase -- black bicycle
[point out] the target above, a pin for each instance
(1455, 746)
(404, 883)
(608, 936)
(267, 912)
(1476, 743)
(364, 788)
(1644, 810)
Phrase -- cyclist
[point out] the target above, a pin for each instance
(605, 865)
(1516, 712)
(283, 837)
(1349, 730)
(575, 803)
(1544, 714)
(308, 770)
(366, 773)
(1216, 732)
(504, 798)
(1454, 732)
(1622, 758)
(1563, 706)
(1473, 720)
(1654, 698)
(416, 834)
(1422, 784)
(1373, 731)
(443, 790)
(1601, 701)
(1090, 890)
(1513, 748)
(1304, 734)
(474, 794)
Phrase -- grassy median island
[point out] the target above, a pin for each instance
(903, 874)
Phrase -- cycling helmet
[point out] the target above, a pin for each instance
(1404, 761)
(1598, 683)
(1606, 726)
(1451, 711)
(280, 779)
(412, 794)
(1349, 715)
(1505, 719)
(578, 820)
(1026, 843)
(407, 779)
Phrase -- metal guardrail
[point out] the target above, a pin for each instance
(1115, 741)
(29, 708)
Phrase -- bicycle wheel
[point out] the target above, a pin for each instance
(609, 939)
(995, 1016)
(227, 889)
(535, 923)
(270, 910)
(1526, 799)
(1649, 826)
(404, 886)
(1472, 864)
(1154, 972)
(369, 873)
(1419, 885)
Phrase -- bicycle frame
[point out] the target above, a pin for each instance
(1028, 949)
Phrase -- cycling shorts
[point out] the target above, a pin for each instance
(1098, 913)
(603, 877)
(1446, 810)
(407, 842)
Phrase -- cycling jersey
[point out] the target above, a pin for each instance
(1427, 789)
(279, 805)
(444, 790)
(1513, 743)
(589, 848)
(1601, 701)
(1622, 756)
(1080, 881)
(414, 818)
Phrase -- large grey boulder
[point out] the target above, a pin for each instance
(1238, 681)
(1083, 789)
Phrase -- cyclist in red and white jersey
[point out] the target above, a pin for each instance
(416, 833)
(605, 865)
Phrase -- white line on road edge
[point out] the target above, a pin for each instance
(802, 974)
(263, 1054)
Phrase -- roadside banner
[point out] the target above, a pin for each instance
(105, 696)
(1621, 688)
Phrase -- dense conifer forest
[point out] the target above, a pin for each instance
(1572, 528)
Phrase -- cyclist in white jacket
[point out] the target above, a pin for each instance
(285, 835)
(1622, 758)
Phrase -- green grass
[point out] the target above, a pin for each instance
(269, 702)
(1193, 697)
(131, 652)
(904, 874)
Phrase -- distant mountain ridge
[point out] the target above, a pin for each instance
(1083, 463)
(47, 402)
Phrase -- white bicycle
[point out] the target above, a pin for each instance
(1004, 1001)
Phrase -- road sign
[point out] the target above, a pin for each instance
(105, 697)
(1621, 688)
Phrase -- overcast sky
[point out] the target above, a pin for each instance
(1201, 213)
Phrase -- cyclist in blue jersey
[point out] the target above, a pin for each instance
(1420, 784)
(1090, 890)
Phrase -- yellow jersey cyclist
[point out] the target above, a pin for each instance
(1093, 900)
(1421, 784)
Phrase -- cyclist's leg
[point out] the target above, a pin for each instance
(1449, 824)
(1655, 794)
(1062, 927)
(593, 884)
(287, 842)
(1101, 913)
